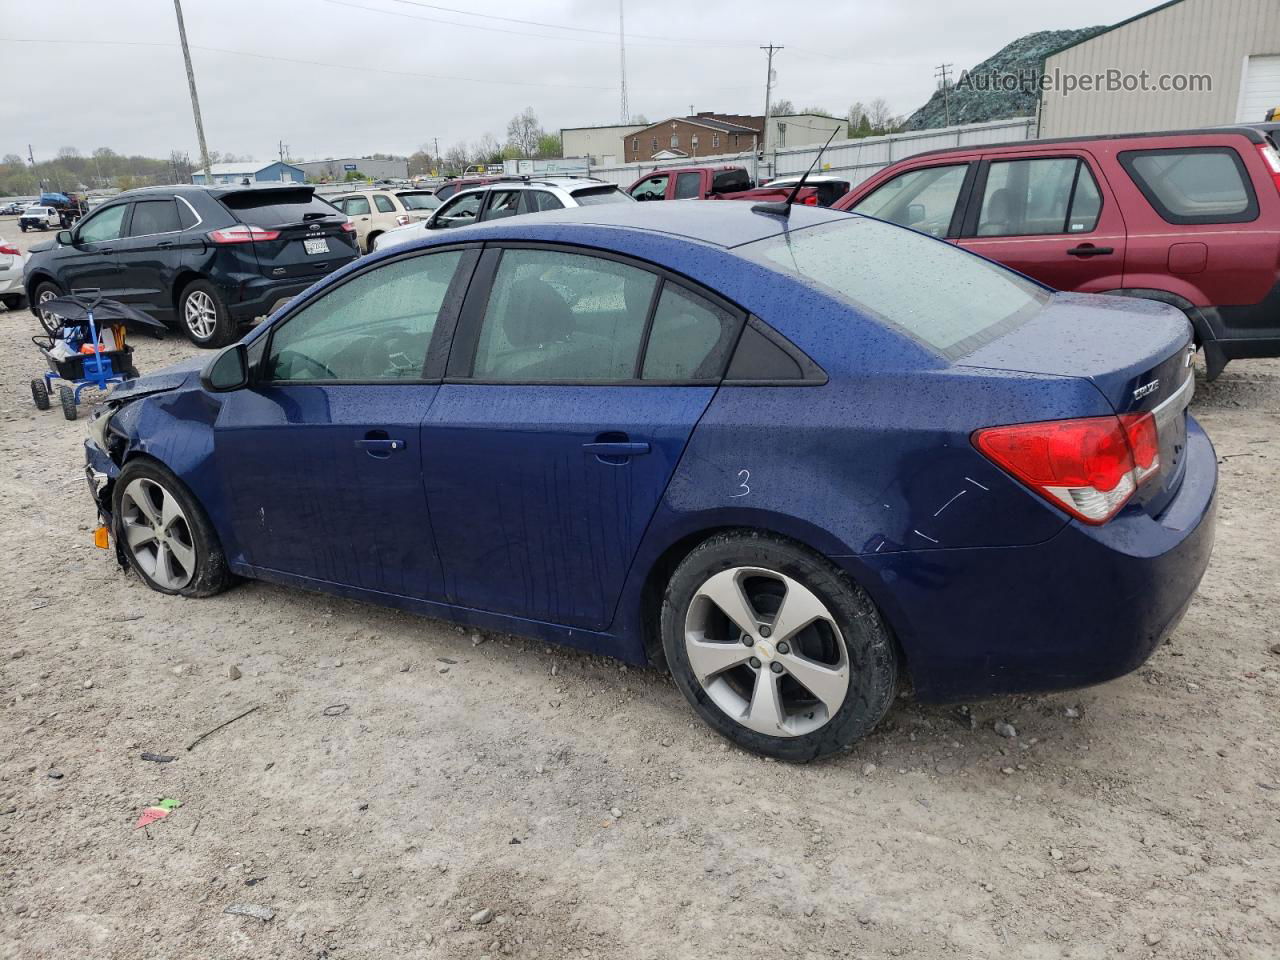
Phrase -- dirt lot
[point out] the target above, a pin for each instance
(470, 772)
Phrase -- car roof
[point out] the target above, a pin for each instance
(1255, 133)
(723, 223)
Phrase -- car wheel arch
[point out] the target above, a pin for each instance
(183, 280)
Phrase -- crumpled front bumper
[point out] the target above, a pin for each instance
(101, 472)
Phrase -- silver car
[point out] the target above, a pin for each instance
(507, 198)
(11, 262)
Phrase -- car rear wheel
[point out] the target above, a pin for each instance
(775, 648)
(165, 533)
(43, 293)
(204, 316)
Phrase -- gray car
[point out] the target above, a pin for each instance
(507, 198)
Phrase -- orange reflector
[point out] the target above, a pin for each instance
(101, 540)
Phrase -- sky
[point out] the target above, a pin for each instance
(351, 77)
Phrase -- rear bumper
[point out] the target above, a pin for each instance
(248, 297)
(1084, 607)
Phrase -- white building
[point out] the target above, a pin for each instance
(1203, 63)
(599, 143)
(801, 129)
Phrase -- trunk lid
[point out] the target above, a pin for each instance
(311, 240)
(1136, 352)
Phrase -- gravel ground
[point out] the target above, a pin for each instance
(407, 790)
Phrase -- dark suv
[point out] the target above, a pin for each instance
(1190, 218)
(206, 258)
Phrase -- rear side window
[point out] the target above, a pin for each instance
(419, 201)
(154, 216)
(538, 200)
(1042, 196)
(356, 206)
(730, 181)
(587, 198)
(563, 316)
(689, 339)
(688, 186)
(967, 302)
(383, 203)
(277, 208)
(1189, 185)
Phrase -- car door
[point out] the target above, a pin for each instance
(150, 254)
(554, 436)
(652, 188)
(91, 261)
(928, 197)
(1050, 216)
(321, 456)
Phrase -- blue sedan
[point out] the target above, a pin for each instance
(798, 460)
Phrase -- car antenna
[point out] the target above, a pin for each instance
(782, 208)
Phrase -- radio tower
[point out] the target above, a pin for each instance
(622, 61)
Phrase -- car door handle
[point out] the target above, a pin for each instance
(615, 451)
(165, 243)
(1089, 250)
(380, 447)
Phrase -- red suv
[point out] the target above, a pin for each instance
(1189, 218)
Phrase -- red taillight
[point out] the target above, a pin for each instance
(404, 220)
(349, 226)
(10, 249)
(242, 233)
(1088, 467)
(810, 201)
(1271, 157)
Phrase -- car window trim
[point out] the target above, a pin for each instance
(1251, 212)
(973, 213)
(466, 340)
(433, 364)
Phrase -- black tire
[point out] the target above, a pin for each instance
(872, 665)
(22, 227)
(67, 397)
(13, 301)
(223, 328)
(43, 288)
(370, 240)
(40, 393)
(211, 574)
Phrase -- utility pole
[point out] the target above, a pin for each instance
(768, 98)
(622, 63)
(195, 101)
(943, 73)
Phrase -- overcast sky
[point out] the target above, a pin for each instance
(350, 77)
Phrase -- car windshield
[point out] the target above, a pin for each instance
(419, 201)
(951, 300)
(586, 198)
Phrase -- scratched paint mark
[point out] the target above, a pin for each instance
(743, 477)
(977, 484)
(880, 546)
(925, 535)
(951, 501)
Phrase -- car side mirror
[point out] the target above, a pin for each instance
(65, 238)
(227, 371)
(915, 214)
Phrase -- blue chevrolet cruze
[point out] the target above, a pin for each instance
(798, 460)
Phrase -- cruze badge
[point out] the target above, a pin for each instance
(1145, 389)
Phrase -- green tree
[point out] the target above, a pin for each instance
(549, 146)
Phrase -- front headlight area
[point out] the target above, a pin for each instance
(99, 422)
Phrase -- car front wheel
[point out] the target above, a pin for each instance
(775, 648)
(43, 293)
(165, 533)
(204, 316)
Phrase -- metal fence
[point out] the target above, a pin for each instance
(855, 159)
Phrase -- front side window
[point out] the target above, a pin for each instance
(923, 199)
(654, 188)
(460, 211)
(967, 302)
(154, 216)
(688, 186)
(1034, 197)
(690, 337)
(374, 327)
(556, 316)
(106, 224)
(1193, 184)
(383, 203)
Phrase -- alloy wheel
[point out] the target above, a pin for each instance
(200, 314)
(50, 321)
(767, 651)
(158, 533)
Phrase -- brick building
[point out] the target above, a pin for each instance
(704, 134)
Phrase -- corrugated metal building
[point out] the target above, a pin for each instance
(252, 171)
(1234, 43)
(599, 143)
(338, 168)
